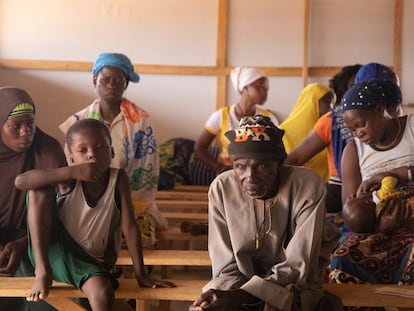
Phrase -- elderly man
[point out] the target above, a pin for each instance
(269, 241)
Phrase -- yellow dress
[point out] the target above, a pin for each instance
(300, 123)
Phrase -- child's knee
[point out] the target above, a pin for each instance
(99, 291)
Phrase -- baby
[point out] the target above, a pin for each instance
(367, 208)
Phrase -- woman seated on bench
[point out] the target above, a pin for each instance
(383, 146)
(253, 86)
(23, 146)
(76, 238)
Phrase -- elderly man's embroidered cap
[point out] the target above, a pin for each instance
(117, 60)
(256, 137)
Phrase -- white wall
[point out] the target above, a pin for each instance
(183, 32)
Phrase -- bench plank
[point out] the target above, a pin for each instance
(187, 290)
(190, 205)
(175, 233)
(168, 258)
(365, 295)
(185, 216)
(182, 204)
(181, 195)
(194, 188)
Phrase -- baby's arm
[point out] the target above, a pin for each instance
(132, 234)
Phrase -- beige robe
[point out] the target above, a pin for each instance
(295, 240)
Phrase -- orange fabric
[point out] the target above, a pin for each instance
(323, 128)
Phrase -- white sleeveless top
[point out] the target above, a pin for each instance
(373, 161)
(92, 227)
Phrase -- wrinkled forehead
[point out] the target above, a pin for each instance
(111, 71)
(256, 159)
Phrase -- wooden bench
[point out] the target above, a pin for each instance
(168, 258)
(188, 216)
(188, 290)
(60, 294)
(175, 234)
(191, 188)
(182, 195)
(177, 211)
(367, 295)
(183, 203)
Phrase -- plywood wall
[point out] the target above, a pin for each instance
(185, 49)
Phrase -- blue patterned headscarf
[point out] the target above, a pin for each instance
(366, 95)
(375, 71)
(117, 60)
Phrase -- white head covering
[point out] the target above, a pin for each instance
(244, 75)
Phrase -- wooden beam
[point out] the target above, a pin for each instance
(221, 53)
(306, 20)
(328, 71)
(179, 70)
(221, 91)
(398, 7)
(38, 64)
(26, 64)
(87, 66)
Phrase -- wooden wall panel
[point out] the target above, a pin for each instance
(221, 70)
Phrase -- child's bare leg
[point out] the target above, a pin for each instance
(40, 218)
(100, 293)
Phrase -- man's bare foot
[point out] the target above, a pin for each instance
(41, 286)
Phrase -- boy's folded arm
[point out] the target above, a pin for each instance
(38, 178)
